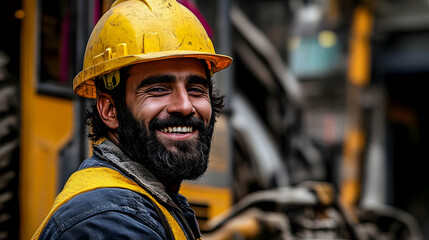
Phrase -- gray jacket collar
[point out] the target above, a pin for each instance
(110, 152)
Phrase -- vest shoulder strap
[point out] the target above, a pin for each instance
(89, 179)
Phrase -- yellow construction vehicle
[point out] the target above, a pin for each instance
(309, 146)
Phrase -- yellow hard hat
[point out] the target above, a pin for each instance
(136, 31)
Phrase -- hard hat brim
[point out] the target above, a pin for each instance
(83, 83)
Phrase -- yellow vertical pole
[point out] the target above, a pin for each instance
(46, 126)
(358, 76)
(360, 49)
(27, 93)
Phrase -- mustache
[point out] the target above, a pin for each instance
(177, 120)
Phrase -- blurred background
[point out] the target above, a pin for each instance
(323, 136)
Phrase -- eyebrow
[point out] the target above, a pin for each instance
(193, 79)
(198, 80)
(156, 80)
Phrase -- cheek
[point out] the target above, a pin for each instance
(204, 109)
(147, 111)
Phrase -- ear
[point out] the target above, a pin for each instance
(106, 109)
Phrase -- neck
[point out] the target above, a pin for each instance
(171, 187)
(113, 137)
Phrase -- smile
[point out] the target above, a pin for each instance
(177, 129)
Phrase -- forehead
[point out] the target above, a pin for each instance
(179, 68)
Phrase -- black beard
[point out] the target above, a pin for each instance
(190, 158)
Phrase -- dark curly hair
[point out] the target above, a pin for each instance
(99, 130)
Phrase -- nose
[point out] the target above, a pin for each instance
(181, 103)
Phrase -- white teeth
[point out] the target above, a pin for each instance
(180, 129)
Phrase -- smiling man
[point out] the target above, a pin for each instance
(168, 120)
(149, 65)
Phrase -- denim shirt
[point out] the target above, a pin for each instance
(115, 213)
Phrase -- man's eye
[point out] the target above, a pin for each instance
(197, 89)
(157, 89)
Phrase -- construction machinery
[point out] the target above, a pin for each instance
(317, 140)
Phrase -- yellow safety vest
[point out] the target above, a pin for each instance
(93, 178)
